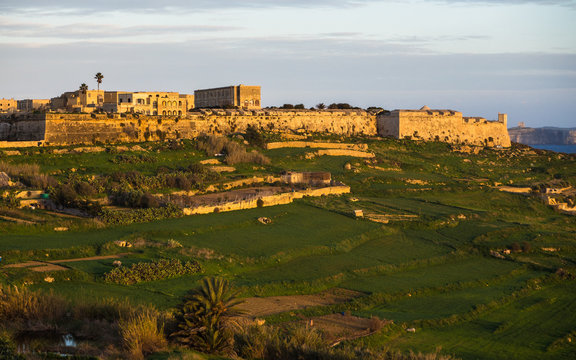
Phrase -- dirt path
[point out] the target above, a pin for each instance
(16, 220)
(104, 257)
(43, 266)
(258, 307)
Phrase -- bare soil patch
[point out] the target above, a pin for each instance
(48, 267)
(25, 264)
(44, 266)
(339, 327)
(258, 307)
(17, 220)
(116, 256)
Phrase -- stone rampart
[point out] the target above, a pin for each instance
(443, 125)
(70, 129)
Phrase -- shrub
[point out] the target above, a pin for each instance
(8, 349)
(132, 159)
(234, 153)
(29, 174)
(254, 137)
(203, 318)
(157, 270)
(149, 201)
(64, 194)
(85, 189)
(112, 217)
(20, 305)
(10, 200)
(142, 334)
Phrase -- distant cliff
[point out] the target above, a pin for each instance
(543, 135)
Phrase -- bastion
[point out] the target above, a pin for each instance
(73, 129)
(444, 125)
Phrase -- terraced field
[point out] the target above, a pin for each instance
(433, 271)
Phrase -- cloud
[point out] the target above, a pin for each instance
(89, 31)
(149, 6)
(75, 7)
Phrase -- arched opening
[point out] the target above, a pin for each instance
(179, 103)
(163, 103)
(179, 112)
(164, 112)
(155, 112)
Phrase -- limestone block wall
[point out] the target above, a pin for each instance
(335, 122)
(443, 125)
(30, 128)
(71, 129)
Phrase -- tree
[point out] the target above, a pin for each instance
(99, 78)
(321, 106)
(83, 87)
(203, 318)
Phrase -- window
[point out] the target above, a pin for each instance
(164, 112)
(179, 103)
(163, 103)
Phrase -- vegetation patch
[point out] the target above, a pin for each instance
(157, 270)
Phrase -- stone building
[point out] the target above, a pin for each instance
(443, 125)
(78, 101)
(307, 178)
(241, 96)
(8, 105)
(33, 104)
(148, 103)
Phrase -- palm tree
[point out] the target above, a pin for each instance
(203, 319)
(99, 78)
(83, 87)
(320, 106)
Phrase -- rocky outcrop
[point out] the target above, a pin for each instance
(543, 135)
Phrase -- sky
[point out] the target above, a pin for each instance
(480, 57)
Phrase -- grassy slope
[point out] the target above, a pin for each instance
(431, 269)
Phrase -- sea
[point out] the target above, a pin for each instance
(569, 149)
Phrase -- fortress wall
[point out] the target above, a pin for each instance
(71, 129)
(27, 129)
(334, 122)
(444, 126)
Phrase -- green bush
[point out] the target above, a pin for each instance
(111, 217)
(157, 270)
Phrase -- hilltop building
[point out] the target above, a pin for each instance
(138, 102)
(8, 105)
(241, 96)
(148, 103)
(78, 101)
(33, 104)
(443, 125)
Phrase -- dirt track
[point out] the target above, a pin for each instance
(43, 266)
(258, 307)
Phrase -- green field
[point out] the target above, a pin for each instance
(433, 271)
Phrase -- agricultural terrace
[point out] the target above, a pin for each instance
(476, 272)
